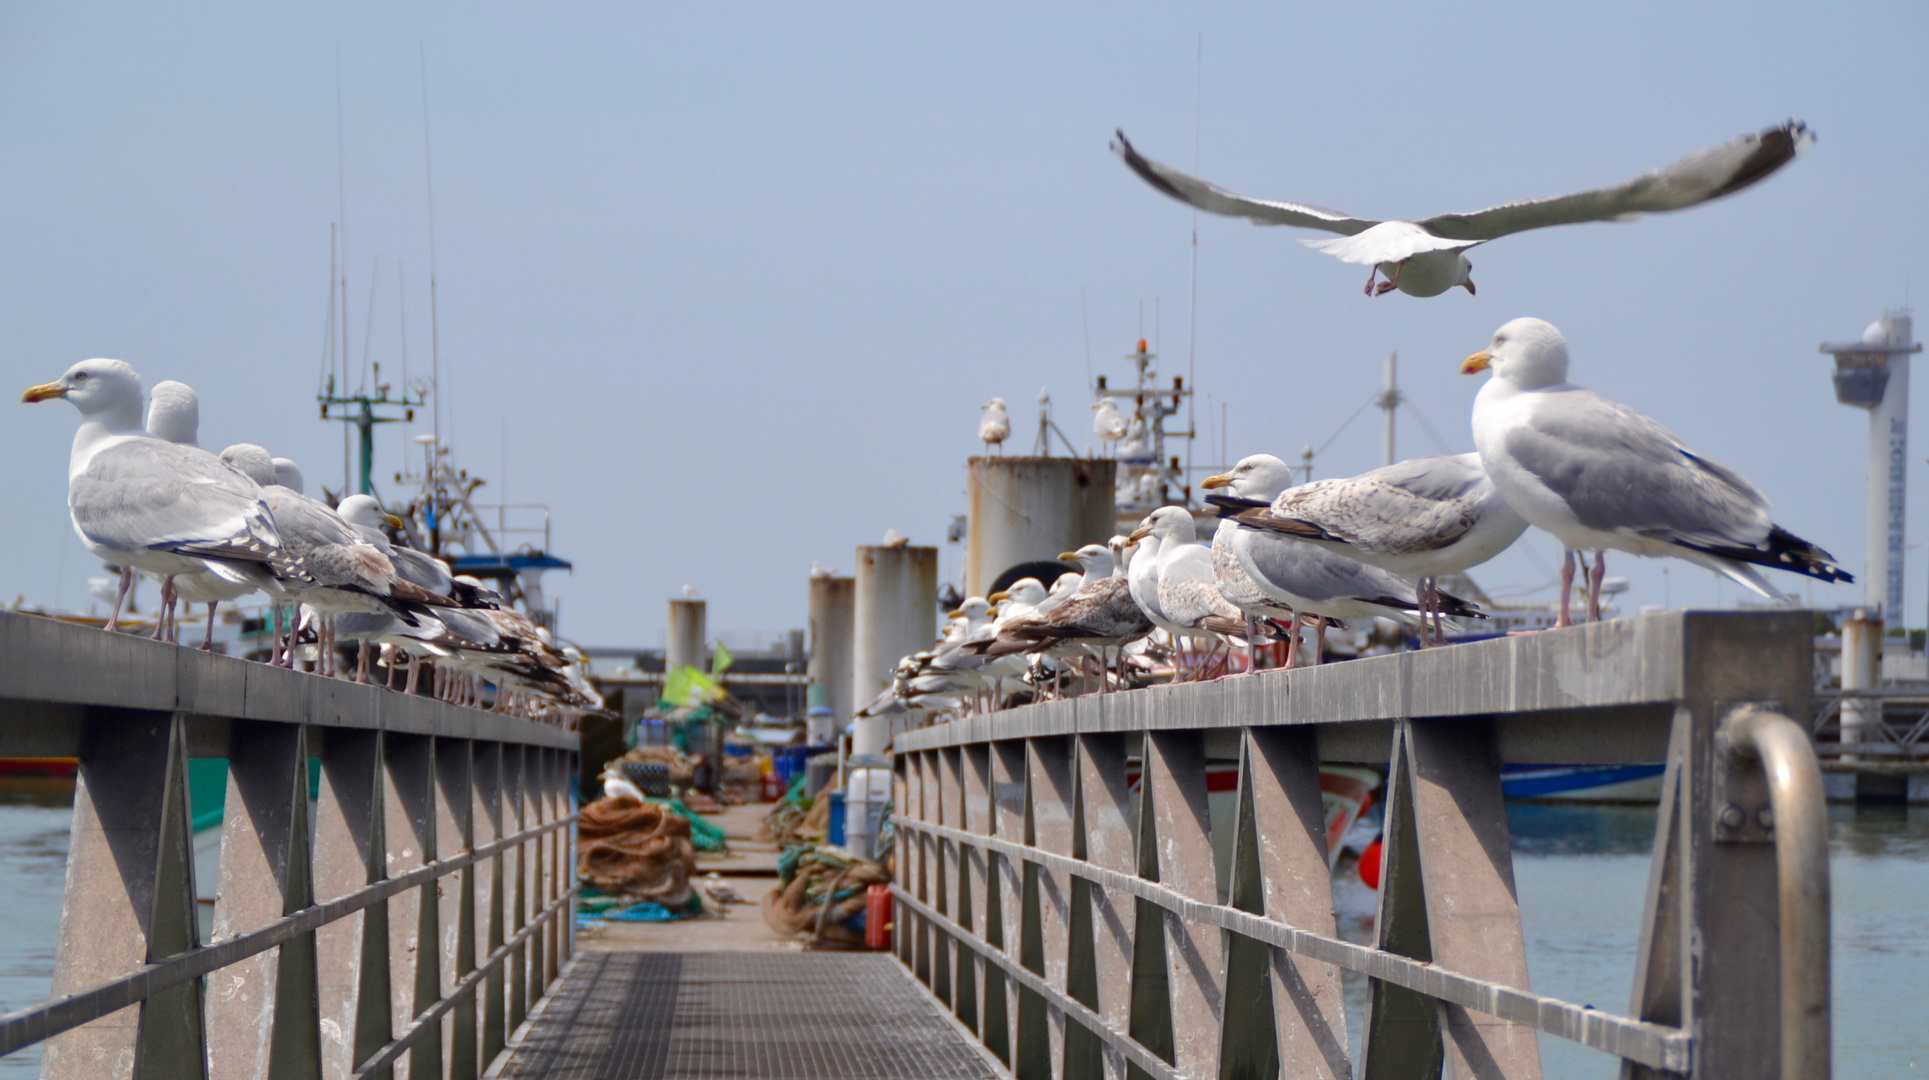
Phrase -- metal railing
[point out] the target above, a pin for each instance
(1876, 737)
(402, 923)
(1081, 929)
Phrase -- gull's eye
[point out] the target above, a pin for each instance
(79, 375)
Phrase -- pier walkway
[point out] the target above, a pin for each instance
(396, 880)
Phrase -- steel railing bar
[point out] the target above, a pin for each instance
(31, 1025)
(431, 1017)
(1654, 1045)
(1074, 1009)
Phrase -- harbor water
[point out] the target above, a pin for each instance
(1580, 870)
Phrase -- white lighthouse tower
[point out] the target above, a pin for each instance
(1873, 374)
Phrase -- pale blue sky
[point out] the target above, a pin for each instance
(735, 281)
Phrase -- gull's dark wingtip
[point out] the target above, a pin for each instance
(1774, 148)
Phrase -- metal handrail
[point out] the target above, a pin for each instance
(1800, 809)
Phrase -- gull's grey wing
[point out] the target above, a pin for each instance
(1697, 178)
(1619, 470)
(1321, 575)
(1423, 504)
(422, 569)
(1217, 200)
(148, 494)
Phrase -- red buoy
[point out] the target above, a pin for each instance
(1370, 864)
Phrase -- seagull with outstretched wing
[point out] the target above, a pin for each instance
(1428, 257)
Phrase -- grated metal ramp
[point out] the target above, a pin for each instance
(742, 1016)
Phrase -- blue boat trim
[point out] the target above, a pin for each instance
(1528, 781)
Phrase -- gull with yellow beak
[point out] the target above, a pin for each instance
(146, 504)
(1428, 257)
(1419, 518)
(1599, 475)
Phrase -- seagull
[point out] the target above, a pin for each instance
(1107, 423)
(1419, 518)
(1599, 475)
(142, 503)
(174, 414)
(994, 426)
(1189, 603)
(1315, 581)
(346, 572)
(1428, 257)
(1237, 586)
(1101, 614)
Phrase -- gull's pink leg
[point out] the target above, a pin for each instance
(1393, 282)
(1319, 643)
(114, 617)
(207, 641)
(1371, 278)
(1594, 586)
(165, 614)
(1567, 586)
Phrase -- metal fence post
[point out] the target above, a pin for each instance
(1052, 803)
(974, 974)
(1279, 789)
(413, 915)
(456, 901)
(129, 898)
(515, 877)
(1105, 820)
(1175, 784)
(263, 1013)
(486, 821)
(352, 953)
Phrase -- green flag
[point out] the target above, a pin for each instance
(721, 661)
(686, 686)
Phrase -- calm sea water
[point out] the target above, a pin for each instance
(1580, 870)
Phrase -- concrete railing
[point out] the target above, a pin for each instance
(1082, 930)
(402, 923)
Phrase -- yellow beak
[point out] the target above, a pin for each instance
(958, 614)
(1219, 481)
(43, 392)
(1139, 534)
(1068, 556)
(1476, 363)
(997, 597)
(394, 522)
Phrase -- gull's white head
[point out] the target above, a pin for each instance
(1466, 273)
(1097, 560)
(1261, 476)
(98, 388)
(288, 474)
(174, 412)
(973, 610)
(1529, 353)
(364, 511)
(1171, 524)
(252, 462)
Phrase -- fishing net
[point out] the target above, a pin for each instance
(635, 849)
(820, 893)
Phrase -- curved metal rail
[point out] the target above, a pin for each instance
(1800, 824)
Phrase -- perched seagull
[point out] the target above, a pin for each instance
(174, 414)
(1419, 518)
(1189, 595)
(994, 426)
(142, 503)
(346, 572)
(1267, 474)
(1600, 475)
(1107, 423)
(617, 786)
(1313, 580)
(1101, 614)
(1427, 257)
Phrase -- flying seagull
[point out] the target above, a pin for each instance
(1600, 475)
(1428, 257)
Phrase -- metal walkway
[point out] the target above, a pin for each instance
(754, 1016)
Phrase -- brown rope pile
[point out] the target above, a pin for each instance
(823, 893)
(636, 849)
(788, 824)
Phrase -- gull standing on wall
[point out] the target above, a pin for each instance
(994, 425)
(1600, 475)
(1428, 257)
